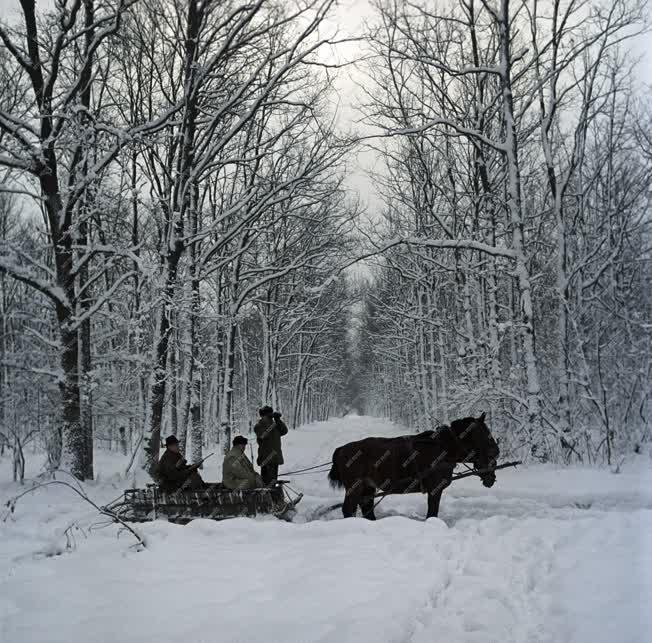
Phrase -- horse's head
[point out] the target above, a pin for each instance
(477, 445)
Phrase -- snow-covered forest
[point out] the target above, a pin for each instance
(181, 240)
(516, 185)
(401, 249)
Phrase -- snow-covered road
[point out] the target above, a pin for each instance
(546, 555)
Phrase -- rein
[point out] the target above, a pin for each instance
(459, 476)
(314, 468)
(307, 469)
(479, 472)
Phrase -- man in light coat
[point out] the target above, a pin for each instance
(237, 471)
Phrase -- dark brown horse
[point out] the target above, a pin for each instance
(411, 464)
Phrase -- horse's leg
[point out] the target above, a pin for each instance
(434, 497)
(367, 503)
(350, 505)
(435, 489)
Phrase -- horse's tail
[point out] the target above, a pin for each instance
(334, 474)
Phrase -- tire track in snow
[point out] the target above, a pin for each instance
(493, 586)
(540, 580)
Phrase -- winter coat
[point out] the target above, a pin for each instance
(238, 471)
(269, 432)
(172, 471)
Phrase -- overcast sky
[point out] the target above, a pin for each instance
(349, 19)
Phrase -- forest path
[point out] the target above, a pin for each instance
(548, 554)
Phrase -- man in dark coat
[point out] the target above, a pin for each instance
(269, 430)
(174, 473)
(237, 471)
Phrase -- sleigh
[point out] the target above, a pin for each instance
(215, 503)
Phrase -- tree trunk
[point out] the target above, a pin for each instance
(244, 370)
(227, 388)
(182, 193)
(174, 395)
(152, 439)
(514, 206)
(194, 385)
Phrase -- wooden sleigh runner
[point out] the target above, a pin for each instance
(216, 502)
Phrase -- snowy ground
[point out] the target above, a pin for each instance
(547, 554)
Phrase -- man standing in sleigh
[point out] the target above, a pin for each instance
(269, 431)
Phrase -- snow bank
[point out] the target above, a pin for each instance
(547, 555)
